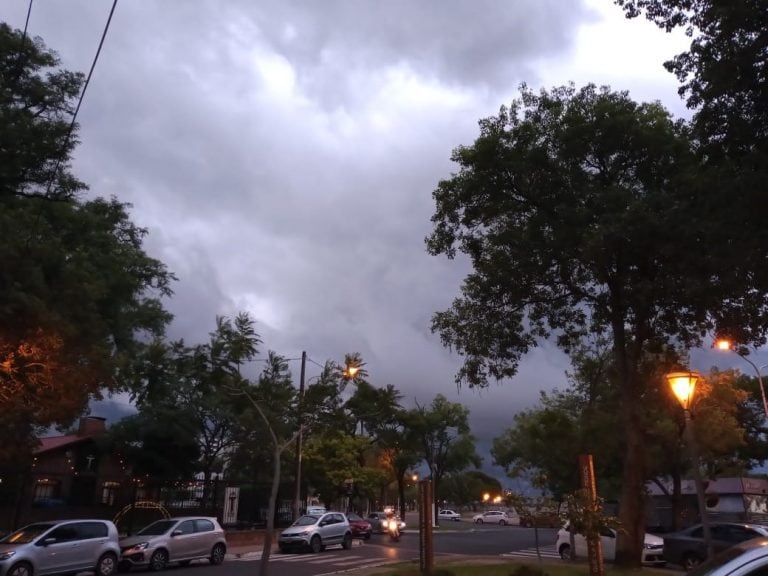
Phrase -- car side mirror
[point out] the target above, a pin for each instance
(176, 533)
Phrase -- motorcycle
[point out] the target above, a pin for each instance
(393, 529)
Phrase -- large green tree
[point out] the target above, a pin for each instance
(723, 73)
(581, 213)
(440, 434)
(77, 291)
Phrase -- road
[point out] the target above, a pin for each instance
(510, 541)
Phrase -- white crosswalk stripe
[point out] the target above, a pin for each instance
(545, 551)
(340, 560)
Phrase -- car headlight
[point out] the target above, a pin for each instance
(6, 555)
(141, 546)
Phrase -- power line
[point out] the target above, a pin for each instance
(82, 96)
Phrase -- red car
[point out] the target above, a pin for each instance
(361, 528)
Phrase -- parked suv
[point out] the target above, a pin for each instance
(316, 531)
(60, 547)
(174, 540)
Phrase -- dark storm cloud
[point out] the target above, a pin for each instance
(282, 155)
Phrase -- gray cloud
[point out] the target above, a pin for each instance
(282, 155)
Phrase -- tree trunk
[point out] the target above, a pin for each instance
(629, 546)
(267, 551)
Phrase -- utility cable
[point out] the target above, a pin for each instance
(82, 96)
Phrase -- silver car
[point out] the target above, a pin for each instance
(316, 531)
(60, 547)
(174, 540)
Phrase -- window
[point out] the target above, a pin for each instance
(46, 489)
(186, 527)
(109, 492)
(204, 525)
(88, 530)
(66, 533)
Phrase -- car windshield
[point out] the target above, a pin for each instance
(157, 528)
(353, 517)
(306, 520)
(27, 534)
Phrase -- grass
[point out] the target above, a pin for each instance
(513, 568)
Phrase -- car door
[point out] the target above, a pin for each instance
(59, 550)
(608, 543)
(181, 544)
(91, 537)
(339, 528)
(205, 533)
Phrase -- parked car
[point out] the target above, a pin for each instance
(361, 528)
(449, 515)
(174, 541)
(496, 517)
(316, 531)
(377, 520)
(60, 547)
(652, 546)
(687, 547)
(749, 557)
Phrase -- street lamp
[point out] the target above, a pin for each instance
(683, 385)
(726, 345)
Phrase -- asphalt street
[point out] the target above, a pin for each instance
(502, 542)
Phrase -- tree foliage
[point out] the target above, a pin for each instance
(723, 74)
(77, 290)
(581, 212)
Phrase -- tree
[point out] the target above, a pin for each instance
(78, 294)
(581, 213)
(442, 434)
(466, 488)
(722, 74)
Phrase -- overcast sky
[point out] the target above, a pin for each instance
(283, 154)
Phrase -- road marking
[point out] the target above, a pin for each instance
(545, 552)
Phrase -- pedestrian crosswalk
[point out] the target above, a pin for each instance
(337, 559)
(547, 552)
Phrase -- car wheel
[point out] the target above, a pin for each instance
(347, 542)
(316, 545)
(502, 522)
(479, 521)
(217, 554)
(283, 549)
(565, 552)
(107, 565)
(158, 561)
(691, 560)
(367, 536)
(21, 569)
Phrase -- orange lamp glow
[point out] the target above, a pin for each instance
(683, 386)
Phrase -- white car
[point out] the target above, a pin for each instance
(496, 517)
(653, 546)
(449, 515)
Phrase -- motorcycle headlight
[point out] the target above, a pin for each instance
(6, 555)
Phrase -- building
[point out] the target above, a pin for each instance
(727, 499)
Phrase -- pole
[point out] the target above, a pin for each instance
(702, 502)
(426, 544)
(299, 439)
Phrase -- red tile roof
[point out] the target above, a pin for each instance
(55, 442)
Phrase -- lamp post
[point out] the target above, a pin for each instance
(727, 345)
(683, 385)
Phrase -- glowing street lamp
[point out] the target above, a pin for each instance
(727, 346)
(683, 385)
